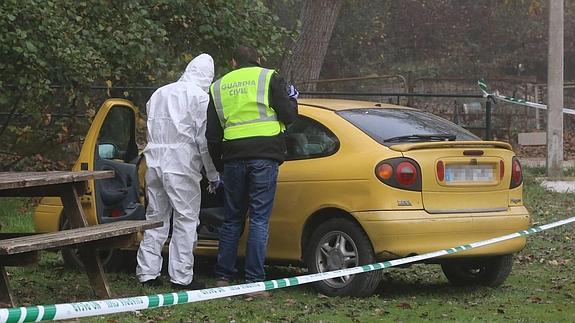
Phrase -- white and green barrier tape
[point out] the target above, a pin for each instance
(485, 90)
(110, 306)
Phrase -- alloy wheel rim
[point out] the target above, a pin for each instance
(336, 250)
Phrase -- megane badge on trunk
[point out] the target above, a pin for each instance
(403, 203)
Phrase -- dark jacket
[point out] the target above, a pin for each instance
(273, 147)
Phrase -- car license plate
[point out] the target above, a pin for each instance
(468, 173)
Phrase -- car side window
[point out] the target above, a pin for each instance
(116, 138)
(307, 138)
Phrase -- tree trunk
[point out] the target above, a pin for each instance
(304, 64)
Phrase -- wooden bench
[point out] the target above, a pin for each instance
(24, 248)
(19, 260)
(89, 236)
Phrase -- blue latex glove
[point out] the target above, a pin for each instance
(293, 92)
(213, 186)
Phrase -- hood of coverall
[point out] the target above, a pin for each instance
(199, 71)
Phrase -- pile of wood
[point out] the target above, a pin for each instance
(541, 151)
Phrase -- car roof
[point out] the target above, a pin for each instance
(339, 105)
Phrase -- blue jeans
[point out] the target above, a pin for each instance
(249, 185)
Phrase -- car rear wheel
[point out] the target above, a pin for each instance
(492, 271)
(340, 244)
(111, 259)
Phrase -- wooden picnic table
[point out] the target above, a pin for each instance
(22, 249)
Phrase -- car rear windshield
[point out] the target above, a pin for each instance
(392, 126)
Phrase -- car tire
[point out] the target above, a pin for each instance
(492, 271)
(338, 244)
(111, 259)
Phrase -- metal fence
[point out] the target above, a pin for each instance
(455, 99)
(477, 119)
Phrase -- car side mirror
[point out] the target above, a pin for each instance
(108, 151)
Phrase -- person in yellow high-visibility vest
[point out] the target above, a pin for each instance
(248, 111)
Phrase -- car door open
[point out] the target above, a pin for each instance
(115, 149)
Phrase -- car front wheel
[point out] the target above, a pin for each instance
(339, 244)
(492, 271)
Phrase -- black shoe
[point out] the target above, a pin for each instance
(194, 285)
(152, 282)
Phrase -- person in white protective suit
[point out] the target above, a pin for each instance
(175, 154)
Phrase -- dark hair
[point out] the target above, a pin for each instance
(244, 54)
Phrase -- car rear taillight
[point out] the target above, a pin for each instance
(516, 173)
(384, 171)
(440, 171)
(403, 173)
(406, 173)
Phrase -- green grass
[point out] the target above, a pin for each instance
(540, 288)
(15, 215)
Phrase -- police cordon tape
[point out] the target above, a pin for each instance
(110, 306)
(484, 89)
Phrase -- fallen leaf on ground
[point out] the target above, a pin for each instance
(405, 306)
(290, 301)
(535, 299)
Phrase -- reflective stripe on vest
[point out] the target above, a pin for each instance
(241, 102)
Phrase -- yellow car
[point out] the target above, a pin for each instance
(364, 182)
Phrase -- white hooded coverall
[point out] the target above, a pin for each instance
(175, 154)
